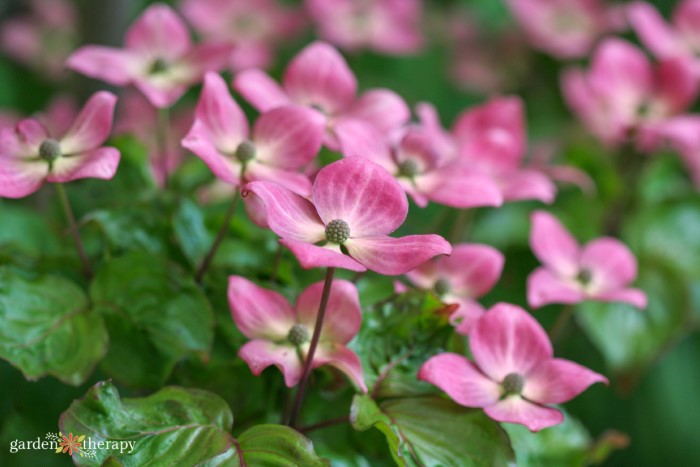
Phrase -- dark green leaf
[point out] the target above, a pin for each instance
(191, 232)
(277, 445)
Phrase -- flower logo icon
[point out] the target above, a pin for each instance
(69, 443)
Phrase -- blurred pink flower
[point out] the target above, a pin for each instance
(30, 155)
(254, 27)
(600, 270)
(514, 376)
(622, 95)
(57, 117)
(681, 134)
(355, 205)
(280, 334)
(319, 77)
(283, 139)
(566, 28)
(469, 273)
(541, 159)
(386, 26)
(159, 58)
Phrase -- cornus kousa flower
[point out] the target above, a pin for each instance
(514, 376)
(680, 38)
(682, 134)
(469, 273)
(420, 170)
(283, 139)
(623, 95)
(30, 155)
(566, 28)
(601, 270)
(354, 206)
(319, 77)
(254, 27)
(281, 334)
(387, 26)
(159, 58)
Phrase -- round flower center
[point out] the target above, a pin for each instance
(337, 231)
(408, 168)
(513, 383)
(442, 287)
(159, 66)
(298, 335)
(50, 150)
(245, 152)
(584, 276)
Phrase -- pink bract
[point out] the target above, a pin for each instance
(280, 333)
(600, 270)
(514, 376)
(355, 205)
(30, 155)
(159, 57)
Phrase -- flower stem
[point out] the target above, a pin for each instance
(162, 142)
(312, 347)
(73, 226)
(325, 424)
(561, 322)
(204, 266)
(276, 263)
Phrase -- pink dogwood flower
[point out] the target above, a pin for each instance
(354, 206)
(320, 78)
(254, 27)
(159, 57)
(623, 95)
(566, 28)
(280, 334)
(386, 26)
(600, 270)
(30, 155)
(469, 273)
(283, 139)
(681, 134)
(681, 38)
(514, 376)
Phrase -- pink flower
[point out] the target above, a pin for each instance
(283, 140)
(318, 77)
(255, 27)
(622, 95)
(601, 270)
(469, 273)
(159, 58)
(387, 26)
(355, 205)
(420, 170)
(682, 134)
(29, 155)
(566, 28)
(681, 38)
(514, 376)
(280, 334)
(541, 159)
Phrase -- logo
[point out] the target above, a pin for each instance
(71, 444)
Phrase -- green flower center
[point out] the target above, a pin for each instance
(337, 231)
(245, 152)
(408, 168)
(584, 276)
(442, 287)
(50, 150)
(513, 383)
(159, 65)
(298, 335)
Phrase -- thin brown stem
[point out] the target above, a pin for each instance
(75, 233)
(276, 263)
(324, 424)
(162, 142)
(325, 295)
(204, 266)
(561, 322)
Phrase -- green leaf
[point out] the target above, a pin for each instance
(432, 431)
(191, 232)
(26, 230)
(277, 445)
(156, 316)
(47, 327)
(136, 228)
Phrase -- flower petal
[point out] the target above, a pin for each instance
(343, 313)
(460, 379)
(362, 194)
(394, 256)
(635, 297)
(611, 264)
(115, 66)
(205, 58)
(557, 381)
(98, 163)
(319, 76)
(425, 275)
(472, 269)
(460, 186)
(289, 215)
(527, 184)
(312, 256)
(466, 316)
(159, 33)
(259, 313)
(260, 90)
(343, 359)
(360, 139)
(382, 108)
(92, 126)
(515, 409)
(544, 287)
(199, 141)
(259, 354)
(28, 136)
(295, 181)
(507, 339)
(161, 92)
(653, 31)
(553, 245)
(20, 178)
